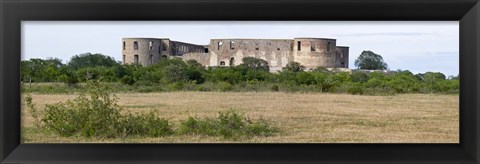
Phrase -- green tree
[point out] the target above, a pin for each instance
(294, 67)
(67, 76)
(175, 73)
(255, 64)
(431, 79)
(39, 70)
(91, 60)
(370, 60)
(194, 71)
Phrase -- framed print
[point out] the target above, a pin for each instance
(239, 81)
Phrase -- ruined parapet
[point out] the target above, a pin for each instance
(342, 57)
(144, 51)
(200, 57)
(314, 52)
(180, 48)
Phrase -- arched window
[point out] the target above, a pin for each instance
(135, 45)
(164, 47)
(232, 60)
(232, 44)
(150, 45)
(164, 56)
(135, 59)
(222, 63)
(299, 46)
(124, 45)
(219, 45)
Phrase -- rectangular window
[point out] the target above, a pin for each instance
(299, 45)
(312, 48)
(328, 46)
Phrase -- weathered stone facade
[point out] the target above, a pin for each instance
(309, 52)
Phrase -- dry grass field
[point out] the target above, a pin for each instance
(302, 118)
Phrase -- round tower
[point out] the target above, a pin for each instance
(315, 52)
(143, 51)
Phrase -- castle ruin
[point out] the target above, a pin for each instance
(309, 52)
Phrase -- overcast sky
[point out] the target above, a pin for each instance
(415, 46)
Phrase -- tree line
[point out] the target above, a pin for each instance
(253, 75)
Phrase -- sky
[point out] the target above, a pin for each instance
(417, 46)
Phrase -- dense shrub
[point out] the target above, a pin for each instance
(127, 80)
(228, 124)
(145, 125)
(175, 75)
(96, 114)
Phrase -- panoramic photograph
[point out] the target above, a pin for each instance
(240, 82)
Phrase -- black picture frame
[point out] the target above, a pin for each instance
(12, 12)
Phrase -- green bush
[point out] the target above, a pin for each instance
(223, 86)
(229, 125)
(96, 114)
(127, 80)
(145, 125)
(355, 90)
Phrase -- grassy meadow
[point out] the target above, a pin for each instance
(300, 117)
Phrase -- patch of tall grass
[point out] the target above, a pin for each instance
(94, 113)
(229, 124)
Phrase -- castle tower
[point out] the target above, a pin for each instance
(314, 52)
(144, 51)
(342, 57)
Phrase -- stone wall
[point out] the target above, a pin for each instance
(202, 58)
(226, 52)
(314, 52)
